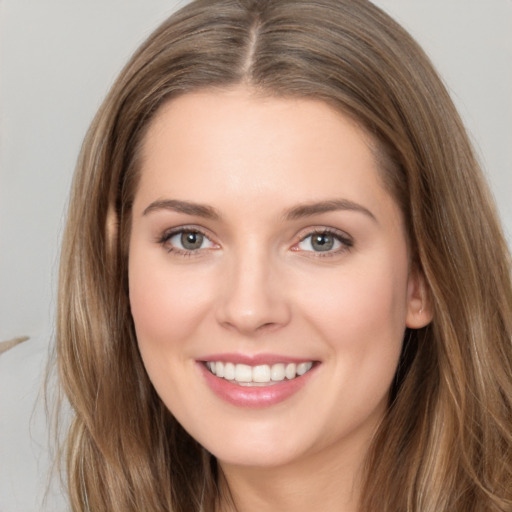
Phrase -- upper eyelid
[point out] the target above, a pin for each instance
(307, 232)
(170, 232)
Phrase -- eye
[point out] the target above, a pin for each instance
(324, 242)
(186, 241)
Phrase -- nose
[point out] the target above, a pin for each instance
(252, 298)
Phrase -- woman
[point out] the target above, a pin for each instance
(283, 283)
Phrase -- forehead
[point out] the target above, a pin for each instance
(222, 145)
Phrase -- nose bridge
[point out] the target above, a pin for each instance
(252, 297)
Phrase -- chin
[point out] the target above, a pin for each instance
(256, 456)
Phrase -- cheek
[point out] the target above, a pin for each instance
(166, 304)
(361, 313)
(361, 318)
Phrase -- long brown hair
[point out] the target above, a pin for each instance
(445, 443)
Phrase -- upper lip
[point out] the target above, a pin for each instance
(254, 359)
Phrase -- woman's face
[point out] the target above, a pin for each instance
(265, 248)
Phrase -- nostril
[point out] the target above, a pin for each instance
(268, 327)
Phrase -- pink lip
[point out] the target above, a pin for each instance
(253, 360)
(257, 396)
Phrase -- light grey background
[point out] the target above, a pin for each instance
(57, 60)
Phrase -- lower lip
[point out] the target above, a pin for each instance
(257, 396)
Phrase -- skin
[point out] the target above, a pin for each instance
(257, 285)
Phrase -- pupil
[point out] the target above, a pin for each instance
(191, 241)
(323, 242)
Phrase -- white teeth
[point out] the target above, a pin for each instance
(302, 368)
(243, 373)
(229, 371)
(277, 372)
(290, 370)
(260, 374)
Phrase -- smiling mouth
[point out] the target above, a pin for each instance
(259, 375)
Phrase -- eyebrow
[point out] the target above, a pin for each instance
(332, 205)
(295, 213)
(185, 207)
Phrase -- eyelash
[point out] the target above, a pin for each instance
(345, 241)
(167, 235)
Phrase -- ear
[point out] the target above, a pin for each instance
(419, 304)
